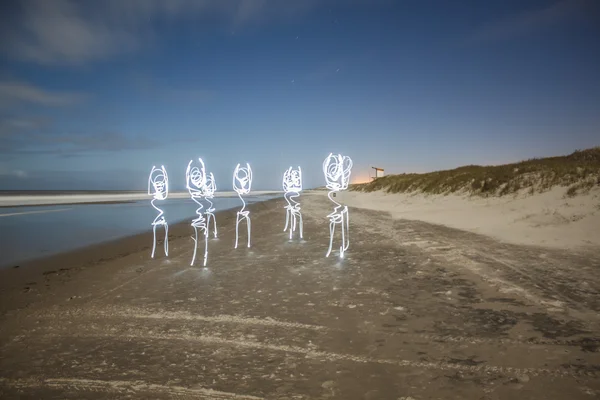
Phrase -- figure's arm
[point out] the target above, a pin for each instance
(235, 175)
(150, 185)
(249, 177)
(166, 181)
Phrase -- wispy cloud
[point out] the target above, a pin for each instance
(15, 173)
(37, 135)
(10, 125)
(67, 32)
(149, 86)
(63, 32)
(98, 142)
(529, 22)
(15, 92)
(70, 145)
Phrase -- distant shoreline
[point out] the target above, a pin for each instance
(62, 198)
(67, 204)
(9, 193)
(64, 192)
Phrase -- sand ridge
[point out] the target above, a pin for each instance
(548, 219)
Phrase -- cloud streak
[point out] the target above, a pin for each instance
(15, 173)
(70, 145)
(62, 32)
(14, 92)
(67, 32)
(528, 22)
(70, 32)
(149, 86)
(14, 125)
(36, 135)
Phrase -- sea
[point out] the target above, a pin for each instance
(31, 232)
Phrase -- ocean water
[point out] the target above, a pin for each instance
(34, 232)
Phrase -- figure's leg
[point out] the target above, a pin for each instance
(166, 239)
(207, 214)
(287, 218)
(347, 230)
(237, 224)
(248, 219)
(294, 221)
(153, 239)
(301, 224)
(195, 239)
(205, 245)
(331, 232)
(215, 225)
(343, 246)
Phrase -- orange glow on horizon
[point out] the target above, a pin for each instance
(361, 178)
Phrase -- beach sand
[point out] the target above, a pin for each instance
(414, 311)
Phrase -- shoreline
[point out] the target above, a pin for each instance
(44, 241)
(19, 275)
(68, 204)
(71, 199)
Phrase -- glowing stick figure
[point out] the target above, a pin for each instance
(158, 187)
(209, 193)
(242, 181)
(337, 175)
(195, 178)
(292, 186)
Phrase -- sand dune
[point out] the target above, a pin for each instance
(548, 219)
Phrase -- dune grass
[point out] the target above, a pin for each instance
(578, 172)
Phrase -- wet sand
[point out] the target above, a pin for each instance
(68, 204)
(38, 199)
(414, 311)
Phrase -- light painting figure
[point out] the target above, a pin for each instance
(195, 178)
(292, 186)
(158, 187)
(337, 169)
(209, 193)
(242, 182)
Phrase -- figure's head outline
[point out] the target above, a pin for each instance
(158, 183)
(195, 178)
(242, 179)
(292, 180)
(211, 186)
(337, 169)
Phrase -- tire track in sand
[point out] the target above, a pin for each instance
(325, 355)
(122, 387)
(158, 315)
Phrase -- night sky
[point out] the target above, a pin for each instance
(94, 93)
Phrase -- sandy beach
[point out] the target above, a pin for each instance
(427, 304)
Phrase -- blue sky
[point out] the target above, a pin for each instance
(93, 93)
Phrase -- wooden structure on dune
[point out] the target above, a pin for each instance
(378, 173)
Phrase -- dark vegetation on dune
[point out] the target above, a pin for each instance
(578, 172)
